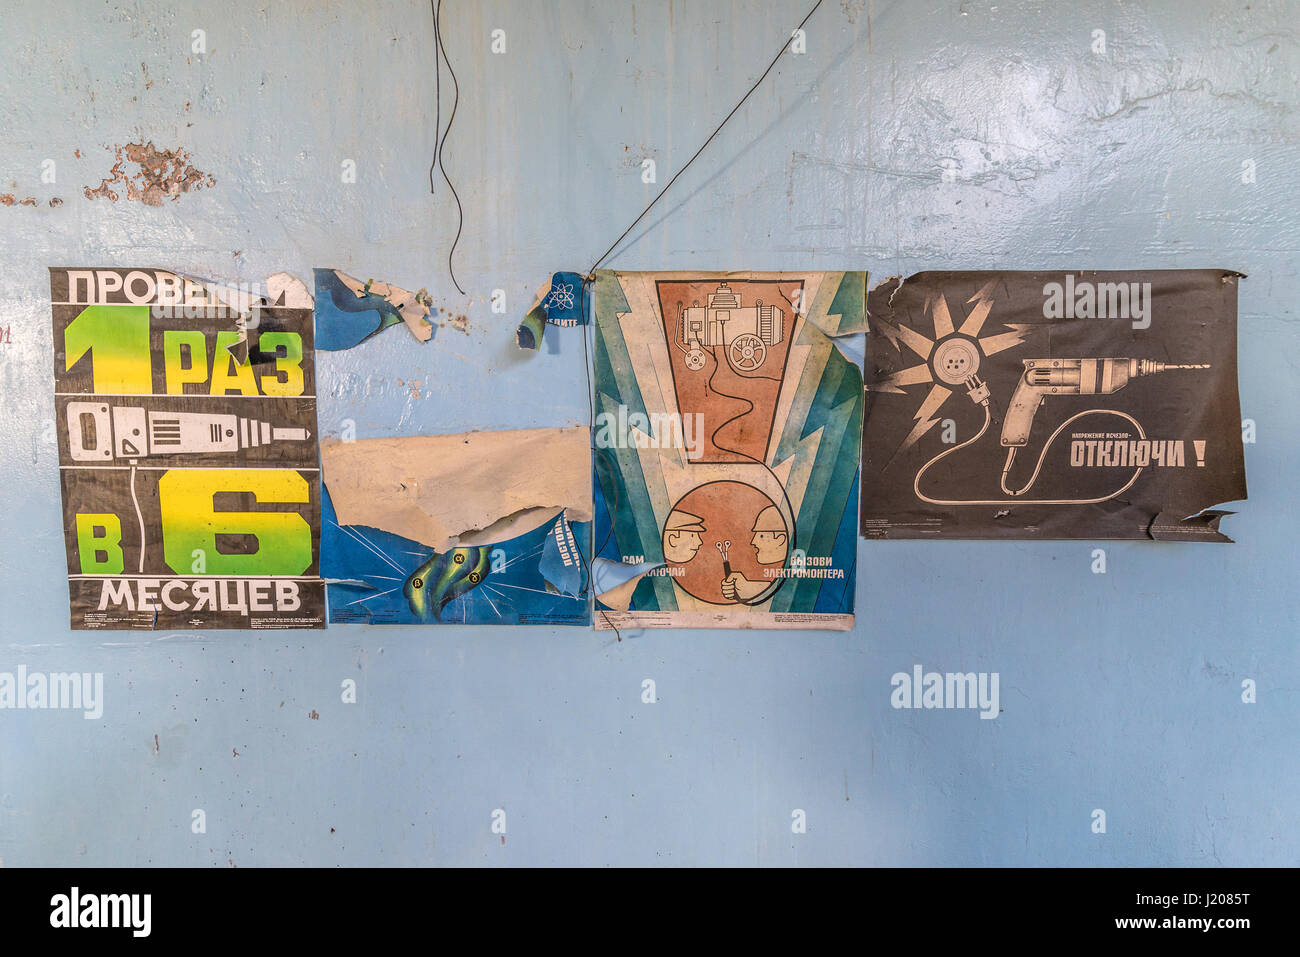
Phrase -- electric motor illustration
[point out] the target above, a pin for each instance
(98, 432)
(744, 332)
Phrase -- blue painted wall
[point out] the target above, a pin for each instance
(1120, 691)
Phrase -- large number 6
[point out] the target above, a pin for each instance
(190, 522)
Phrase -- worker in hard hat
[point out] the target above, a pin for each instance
(682, 536)
(771, 542)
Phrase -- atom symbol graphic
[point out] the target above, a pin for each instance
(561, 296)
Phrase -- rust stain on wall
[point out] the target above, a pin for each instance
(157, 175)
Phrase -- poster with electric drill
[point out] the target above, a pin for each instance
(1048, 405)
(727, 429)
(185, 416)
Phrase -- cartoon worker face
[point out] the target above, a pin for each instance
(682, 536)
(770, 539)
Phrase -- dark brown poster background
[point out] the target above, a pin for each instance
(1024, 405)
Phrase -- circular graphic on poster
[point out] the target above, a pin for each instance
(720, 541)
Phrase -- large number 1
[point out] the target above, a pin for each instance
(118, 339)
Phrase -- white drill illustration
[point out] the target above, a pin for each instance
(98, 432)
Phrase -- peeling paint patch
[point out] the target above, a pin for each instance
(104, 189)
(158, 174)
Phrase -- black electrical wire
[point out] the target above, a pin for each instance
(716, 131)
(594, 266)
(440, 135)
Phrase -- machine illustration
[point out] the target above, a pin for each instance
(98, 432)
(744, 332)
(1044, 377)
(957, 365)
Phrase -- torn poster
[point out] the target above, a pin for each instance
(348, 311)
(1047, 405)
(728, 426)
(185, 415)
(475, 528)
(563, 302)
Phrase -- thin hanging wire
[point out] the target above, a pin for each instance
(716, 131)
(440, 135)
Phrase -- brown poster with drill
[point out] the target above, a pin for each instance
(1052, 405)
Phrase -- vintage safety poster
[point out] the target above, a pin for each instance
(1041, 405)
(185, 415)
(477, 528)
(728, 420)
